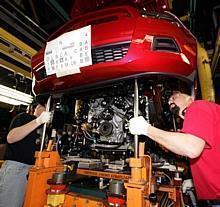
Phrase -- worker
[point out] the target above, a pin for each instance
(198, 140)
(21, 146)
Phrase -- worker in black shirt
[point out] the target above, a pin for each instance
(19, 157)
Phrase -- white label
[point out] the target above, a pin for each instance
(69, 52)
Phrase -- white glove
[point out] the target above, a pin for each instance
(45, 117)
(187, 185)
(138, 126)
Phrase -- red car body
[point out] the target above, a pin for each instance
(130, 43)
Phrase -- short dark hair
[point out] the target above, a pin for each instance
(42, 100)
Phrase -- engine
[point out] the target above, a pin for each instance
(105, 122)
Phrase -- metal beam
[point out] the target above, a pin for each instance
(26, 30)
(14, 68)
(34, 11)
(29, 21)
(58, 8)
(15, 55)
(6, 36)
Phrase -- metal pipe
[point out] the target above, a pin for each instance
(45, 125)
(27, 18)
(136, 106)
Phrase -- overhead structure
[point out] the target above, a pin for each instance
(16, 54)
(16, 58)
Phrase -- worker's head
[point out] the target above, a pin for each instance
(179, 102)
(38, 105)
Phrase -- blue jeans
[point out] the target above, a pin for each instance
(13, 181)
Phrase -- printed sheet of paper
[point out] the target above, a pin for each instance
(69, 52)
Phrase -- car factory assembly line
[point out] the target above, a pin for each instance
(138, 57)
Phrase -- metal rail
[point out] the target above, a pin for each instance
(136, 107)
(45, 125)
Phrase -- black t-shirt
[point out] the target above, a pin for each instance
(23, 150)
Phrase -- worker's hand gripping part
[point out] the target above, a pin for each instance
(45, 117)
(138, 126)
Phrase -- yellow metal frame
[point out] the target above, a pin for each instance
(10, 51)
(16, 42)
(15, 68)
(205, 74)
(15, 55)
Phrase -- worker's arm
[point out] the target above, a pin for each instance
(179, 143)
(18, 133)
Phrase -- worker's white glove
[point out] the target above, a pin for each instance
(45, 117)
(138, 126)
(187, 185)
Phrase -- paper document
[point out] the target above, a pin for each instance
(66, 54)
